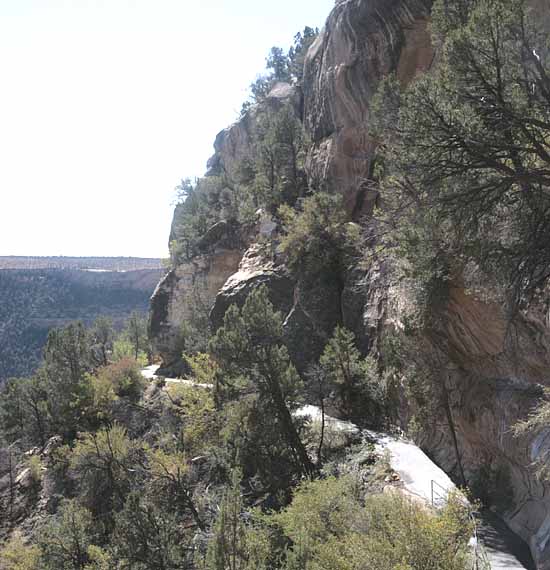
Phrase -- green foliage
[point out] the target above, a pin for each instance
(123, 349)
(69, 394)
(102, 336)
(65, 541)
(195, 329)
(287, 67)
(195, 408)
(333, 530)
(297, 52)
(125, 378)
(104, 462)
(17, 555)
(35, 466)
(274, 173)
(235, 545)
(278, 63)
(250, 353)
(355, 378)
(318, 237)
(56, 399)
(67, 354)
(467, 156)
(24, 410)
(135, 332)
(171, 484)
(201, 205)
(67, 360)
(148, 538)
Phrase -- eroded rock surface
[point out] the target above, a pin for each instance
(362, 42)
(175, 296)
(491, 373)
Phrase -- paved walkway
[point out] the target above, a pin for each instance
(505, 549)
(422, 478)
(150, 373)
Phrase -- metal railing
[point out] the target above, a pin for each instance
(480, 560)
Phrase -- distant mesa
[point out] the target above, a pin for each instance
(97, 264)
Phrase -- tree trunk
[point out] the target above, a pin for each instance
(285, 417)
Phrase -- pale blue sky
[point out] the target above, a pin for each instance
(106, 104)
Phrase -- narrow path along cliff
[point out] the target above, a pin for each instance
(423, 480)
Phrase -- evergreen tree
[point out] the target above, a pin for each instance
(351, 376)
(102, 336)
(249, 346)
(149, 538)
(468, 156)
(65, 541)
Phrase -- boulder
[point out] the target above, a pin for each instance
(255, 269)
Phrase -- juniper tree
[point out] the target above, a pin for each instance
(249, 348)
(468, 147)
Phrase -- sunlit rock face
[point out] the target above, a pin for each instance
(233, 145)
(174, 297)
(222, 247)
(362, 42)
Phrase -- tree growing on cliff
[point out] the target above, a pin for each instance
(250, 352)
(318, 236)
(287, 67)
(468, 147)
(275, 169)
(353, 377)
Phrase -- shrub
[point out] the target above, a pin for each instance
(35, 466)
(331, 529)
(17, 555)
(124, 376)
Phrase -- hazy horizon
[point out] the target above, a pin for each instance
(106, 106)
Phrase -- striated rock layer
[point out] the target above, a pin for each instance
(363, 41)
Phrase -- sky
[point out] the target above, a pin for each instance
(105, 105)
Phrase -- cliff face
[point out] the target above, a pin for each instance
(489, 374)
(490, 371)
(198, 280)
(177, 295)
(362, 42)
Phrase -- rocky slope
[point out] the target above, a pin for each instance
(491, 371)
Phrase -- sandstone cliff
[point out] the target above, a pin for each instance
(490, 370)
